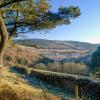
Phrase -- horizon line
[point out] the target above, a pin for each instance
(20, 38)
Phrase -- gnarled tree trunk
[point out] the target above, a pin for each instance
(3, 39)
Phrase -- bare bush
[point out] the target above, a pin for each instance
(74, 68)
(56, 66)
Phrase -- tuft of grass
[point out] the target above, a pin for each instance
(7, 93)
(8, 58)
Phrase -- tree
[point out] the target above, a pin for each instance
(30, 15)
(95, 61)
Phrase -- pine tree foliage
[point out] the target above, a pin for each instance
(95, 61)
(34, 15)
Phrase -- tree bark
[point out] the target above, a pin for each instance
(3, 39)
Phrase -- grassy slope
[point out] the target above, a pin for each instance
(15, 52)
(13, 87)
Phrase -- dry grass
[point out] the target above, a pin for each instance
(15, 52)
(13, 87)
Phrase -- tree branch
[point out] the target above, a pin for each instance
(16, 9)
(10, 2)
(19, 23)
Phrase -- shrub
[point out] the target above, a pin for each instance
(41, 66)
(96, 73)
(8, 58)
(45, 60)
(20, 70)
(22, 61)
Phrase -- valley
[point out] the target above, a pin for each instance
(64, 51)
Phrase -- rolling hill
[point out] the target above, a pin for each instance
(54, 44)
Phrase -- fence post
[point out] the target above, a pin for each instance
(76, 91)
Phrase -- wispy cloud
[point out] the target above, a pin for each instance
(95, 40)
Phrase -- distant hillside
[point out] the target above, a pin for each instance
(54, 44)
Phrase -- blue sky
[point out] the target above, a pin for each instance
(86, 28)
